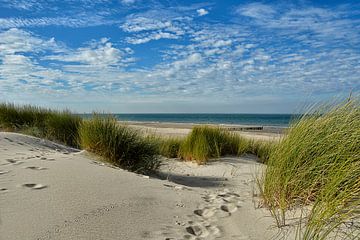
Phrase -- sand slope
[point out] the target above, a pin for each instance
(48, 191)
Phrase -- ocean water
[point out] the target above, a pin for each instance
(276, 120)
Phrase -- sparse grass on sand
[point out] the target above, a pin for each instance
(119, 144)
(60, 126)
(317, 166)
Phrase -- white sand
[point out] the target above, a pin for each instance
(48, 191)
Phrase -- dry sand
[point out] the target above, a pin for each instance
(48, 191)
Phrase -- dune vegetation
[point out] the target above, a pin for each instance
(60, 126)
(119, 144)
(169, 146)
(316, 166)
(207, 142)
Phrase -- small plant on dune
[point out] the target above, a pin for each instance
(119, 144)
(318, 163)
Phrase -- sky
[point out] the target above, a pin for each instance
(153, 56)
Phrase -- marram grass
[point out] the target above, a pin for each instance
(119, 144)
(318, 164)
(60, 126)
(169, 147)
(206, 142)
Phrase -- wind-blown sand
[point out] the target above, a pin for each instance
(48, 191)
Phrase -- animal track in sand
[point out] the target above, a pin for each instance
(34, 186)
(36, 168)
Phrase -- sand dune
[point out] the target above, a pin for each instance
(48, 191)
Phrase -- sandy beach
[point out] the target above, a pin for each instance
(49, 191)
(183, 129)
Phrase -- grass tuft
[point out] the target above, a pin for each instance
(205, 142)
(119, 144)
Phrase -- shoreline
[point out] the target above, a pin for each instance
(189, 125)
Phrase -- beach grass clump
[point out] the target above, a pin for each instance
(63, 127)
(205, 142)
(317, 163)
(170, 147)
(119, 144)
(60, 126)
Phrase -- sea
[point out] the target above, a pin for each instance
(272, 120)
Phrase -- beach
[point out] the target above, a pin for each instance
(49, 191)
(168, 129)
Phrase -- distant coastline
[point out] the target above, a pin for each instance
(264, 120)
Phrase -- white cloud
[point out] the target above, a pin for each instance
(222, 43)
(202, 12)
(154, 25)
(190, 60)
(99, 53)
(16, 40)
(128, 1)
(256, 10)
(152, 36)
(327, 24)
(138, 24)
(74, 21)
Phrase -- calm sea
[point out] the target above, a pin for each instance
(278, 120)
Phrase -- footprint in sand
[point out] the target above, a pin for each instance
(47, 159)
(14, 162)
(3, 172)
(34, 186)
(8, 139)
(36, 168)
(3, 190)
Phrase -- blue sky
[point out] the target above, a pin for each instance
(178, 56)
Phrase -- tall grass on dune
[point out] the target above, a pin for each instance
(169, 147)
(205, 142)
(119, 144)
(261, 148)
(318, 163)
(14, 117)
(60, 126)
(63, 127)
